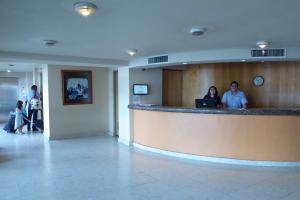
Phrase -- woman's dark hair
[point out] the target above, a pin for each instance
(208, 92)
(19, 104)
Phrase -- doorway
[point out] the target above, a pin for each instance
(9, 96)
(172, 87)
(116, 104)
(16, 80)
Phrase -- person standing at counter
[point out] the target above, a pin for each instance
(234, 98)
(212, 93)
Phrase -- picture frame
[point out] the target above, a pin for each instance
(77, 87)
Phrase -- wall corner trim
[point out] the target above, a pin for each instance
(124, 141)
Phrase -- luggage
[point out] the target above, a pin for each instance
(10, 125)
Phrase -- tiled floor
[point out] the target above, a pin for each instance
(99, 168)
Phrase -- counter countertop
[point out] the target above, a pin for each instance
(250, 111)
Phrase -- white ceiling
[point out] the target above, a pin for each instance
(152, 26)
(17, 67)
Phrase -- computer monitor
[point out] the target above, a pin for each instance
(205, 103)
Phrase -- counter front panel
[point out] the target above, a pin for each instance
(243, 137)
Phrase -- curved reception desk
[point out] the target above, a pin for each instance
(264, 137)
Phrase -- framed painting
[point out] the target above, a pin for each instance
(77, 87)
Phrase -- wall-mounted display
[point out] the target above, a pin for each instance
(77, 87)
(140, 89)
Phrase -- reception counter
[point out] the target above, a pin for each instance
(267, 137)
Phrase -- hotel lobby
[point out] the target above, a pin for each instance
(123, 88)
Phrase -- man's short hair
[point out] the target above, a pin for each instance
(234, 82)
(34, 87)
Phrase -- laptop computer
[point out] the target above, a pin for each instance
(205, 103)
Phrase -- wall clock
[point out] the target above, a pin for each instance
(258, 81)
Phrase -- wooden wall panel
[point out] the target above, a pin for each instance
(281, 88)
(172, 87)
(190, 80)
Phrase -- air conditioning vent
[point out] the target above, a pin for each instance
(158, 59)
(268, 53)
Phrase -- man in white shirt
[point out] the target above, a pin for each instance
(234, 98)
(33, 98)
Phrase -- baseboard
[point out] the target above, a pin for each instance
(73, 136)
(219, 160)
(111, 133)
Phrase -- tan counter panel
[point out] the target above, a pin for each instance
(244, 137)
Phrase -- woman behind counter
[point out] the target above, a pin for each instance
(212, 93)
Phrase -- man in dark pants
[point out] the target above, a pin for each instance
(32, 98)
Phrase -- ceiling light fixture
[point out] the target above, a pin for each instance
(132, 52)
(49, 42)
(184, 63)
(198, 31)
(85, 8)
(262, 44)
(8, 70)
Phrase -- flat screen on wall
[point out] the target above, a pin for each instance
(140, 89)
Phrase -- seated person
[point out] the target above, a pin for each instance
(234, 98)
(213, 94)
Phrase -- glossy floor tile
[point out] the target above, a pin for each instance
(32, 168)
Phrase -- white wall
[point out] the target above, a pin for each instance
(124, 112)
(110, 95)
(46, 98)
(71, 121)
(152, 77)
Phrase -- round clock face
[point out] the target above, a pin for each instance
(258, 81)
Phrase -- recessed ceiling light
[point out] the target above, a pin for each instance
(184, 63)
(243, 60)
(49, 42)
(262, 44)
(85, 8)
(132, 52)
(8, 70)
(198, 31)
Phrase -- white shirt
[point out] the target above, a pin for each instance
(79, 91)
(35, 104)
(236, 100)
